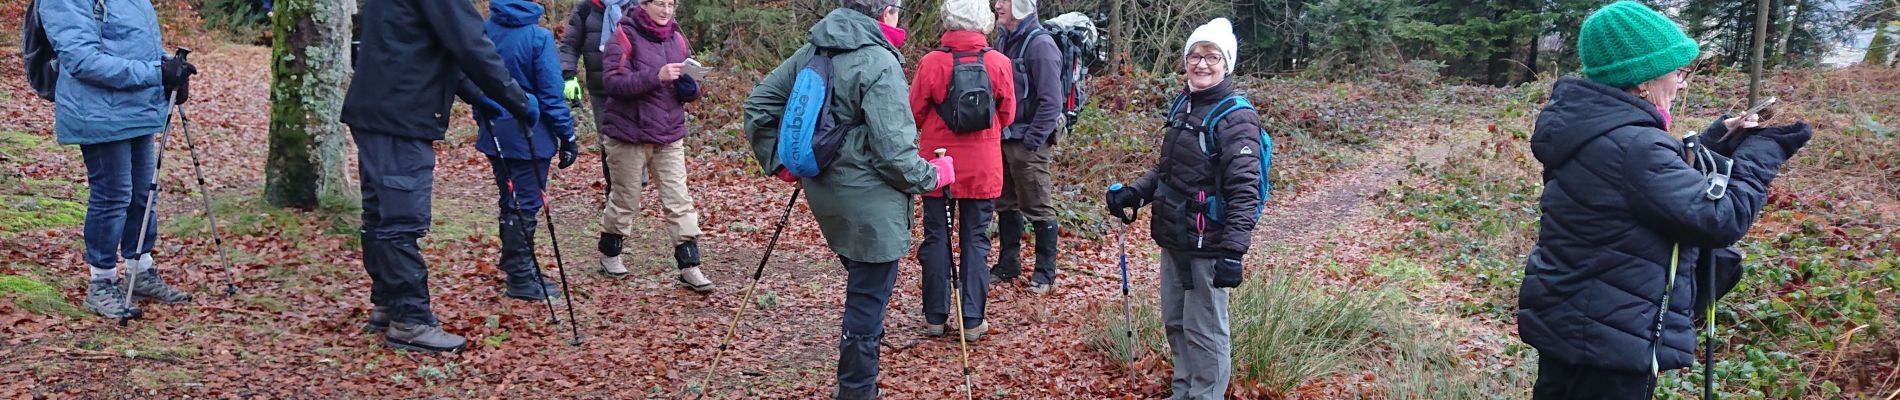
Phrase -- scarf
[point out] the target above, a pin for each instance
(895, 34)
(654, 30)
(610, 13)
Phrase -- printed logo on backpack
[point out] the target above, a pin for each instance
(808, 134)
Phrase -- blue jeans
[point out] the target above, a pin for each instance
(867, 295)
(120, 176)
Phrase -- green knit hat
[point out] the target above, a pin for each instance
(1626, 43)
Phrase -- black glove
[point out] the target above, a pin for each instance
(569, 150)
(1122, 203)
(1791, 137)
(685, 87)
(1228, 273)
(175, 74)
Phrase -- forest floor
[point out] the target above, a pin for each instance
(293, 329)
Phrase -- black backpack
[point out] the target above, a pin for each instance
(969, 102)
(42, 61)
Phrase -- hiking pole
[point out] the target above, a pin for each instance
(509, 171)
(1128, 319)
(145, 218)
(1708, 345)
(743, 301)
(956, 291)
(547, 211)
(204, 192)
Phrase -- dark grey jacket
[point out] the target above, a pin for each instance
(580, 46)
(1039, 96)
(1184, 170)
(1618, 198)
(414, 56)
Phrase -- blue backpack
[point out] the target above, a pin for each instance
(808, 134)
(1210, 146)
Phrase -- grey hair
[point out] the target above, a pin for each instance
(873, 8)
(968, 15)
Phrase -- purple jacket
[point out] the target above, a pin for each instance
(640, 108)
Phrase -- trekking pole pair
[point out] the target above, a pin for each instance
(527, 134)
(151, 201)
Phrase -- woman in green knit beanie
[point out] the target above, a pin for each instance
(1625, 222)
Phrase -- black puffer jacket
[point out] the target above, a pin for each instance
(580, 45)
(1618, 198)
(1184, 170)
(414, 56)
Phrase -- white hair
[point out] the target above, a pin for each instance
(968, 15)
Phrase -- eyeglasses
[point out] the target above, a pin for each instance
(1209, 59)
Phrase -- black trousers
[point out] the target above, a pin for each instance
(398, 177)
(1558, 380)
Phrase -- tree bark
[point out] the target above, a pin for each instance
(310, 63)
(1761, 36)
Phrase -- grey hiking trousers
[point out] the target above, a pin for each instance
(1197, 327)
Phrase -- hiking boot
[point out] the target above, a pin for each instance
(1009, 258)
(1047, 236)
(148, 285)
(975, 333)
(378, 320)
(424, 338)
(107, 297)
(611, 266)
(691, 278)
(933, 330)
(1042, 288)
(531, 289)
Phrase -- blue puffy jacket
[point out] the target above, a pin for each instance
(528, 50)
(109, 86)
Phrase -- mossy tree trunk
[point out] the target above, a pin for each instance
(310, 63)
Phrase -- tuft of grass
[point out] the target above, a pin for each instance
(25, 213)
(162, 378)
(38, 297)
(237, 216)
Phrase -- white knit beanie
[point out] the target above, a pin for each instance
(1022, 9)
(968, 15)
(1219, 33)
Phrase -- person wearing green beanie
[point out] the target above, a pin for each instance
(1625, 224)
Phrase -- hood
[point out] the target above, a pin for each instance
(514, 13)
(846, 30)
(1580, 110)
(964, 41)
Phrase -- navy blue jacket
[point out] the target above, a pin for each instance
(416, 55)
(528, 50)
(1618, 198)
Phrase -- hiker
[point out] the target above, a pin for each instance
(965, 44)
(643, 120)
(528, 51)
(863, 200)
(1028, 145)
(582, 44)
(1202, 241)
(115, 91)
(417, 53)
(1624, 218)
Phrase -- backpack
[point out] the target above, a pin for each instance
(808, 133)
(969, 101)
(1210, 147)
(36, 49)
(1078, 41)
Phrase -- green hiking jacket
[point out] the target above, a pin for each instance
(863, 200)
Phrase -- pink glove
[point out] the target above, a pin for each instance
(785, 175)
(946, 171)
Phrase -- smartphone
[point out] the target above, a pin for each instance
(1758, 107)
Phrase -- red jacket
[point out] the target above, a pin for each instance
(979, 155)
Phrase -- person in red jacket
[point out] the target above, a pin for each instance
(978, 151)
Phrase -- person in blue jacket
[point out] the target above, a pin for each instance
(114, 93)
(528, 50)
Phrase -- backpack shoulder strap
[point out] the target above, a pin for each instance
(1029, 38)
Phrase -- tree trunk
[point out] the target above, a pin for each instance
(1120, 43)
(1761, 36)
(310, 63)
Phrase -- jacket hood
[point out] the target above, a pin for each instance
(514, 13)
(963, 41)
(1580, 110)
(846, 30)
